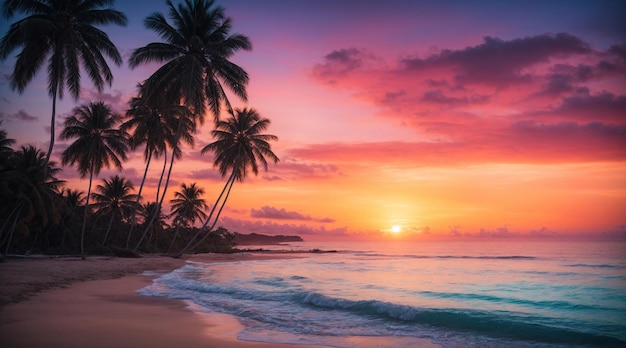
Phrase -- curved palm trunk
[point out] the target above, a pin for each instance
(159, 204)
(174, 239)
(6, 223)
(217, 217)
(10, 234)
(162, 174)
(82, 234)
(106, 234)
(52, 121)
(143, 180)
(149, 238)
(191, 245)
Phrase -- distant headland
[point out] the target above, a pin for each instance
(261, 239)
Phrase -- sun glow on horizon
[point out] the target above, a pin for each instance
(395, 229)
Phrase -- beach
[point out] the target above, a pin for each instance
(66, 302)
(530, 295)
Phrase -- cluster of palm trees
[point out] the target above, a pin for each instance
(168, 108)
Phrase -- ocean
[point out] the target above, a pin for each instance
(460, 294)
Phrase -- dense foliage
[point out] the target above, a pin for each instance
(38, 214)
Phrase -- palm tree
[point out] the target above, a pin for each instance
(74, 201)
(187, 207)
(180, 119)
(150, 125)
(98, 144)
(5, 146)
(73, 198)
(239, 146)
(113, 198)
(28, 182)
(158, 224)
(64, 32)
(195, 51)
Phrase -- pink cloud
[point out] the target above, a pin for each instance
(267, 212)
(498, 62)
(21, 116)
(543, 233)
(292, 168)
(116, 99)
(545, 98)
(341, 62)
(208, 174)
(521, 142)
(605, 107)
(271, 228)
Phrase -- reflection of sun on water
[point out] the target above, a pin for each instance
(395, 229)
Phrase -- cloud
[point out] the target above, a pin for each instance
(116, 99)
(521, 142)
(499, 62)
(438, 97)
(543, 233)
(295, 169)
(605, 106)
(543, 98)
(271, 228)
(267, 212)
(272, 178)
(209, 174)
(618, 51)
(21, 115)
(341, 62)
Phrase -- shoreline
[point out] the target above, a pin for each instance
(67, 302)
(24, 278)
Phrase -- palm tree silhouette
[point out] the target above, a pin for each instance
(187, 207)
(5, 146)
(149, 211)
(64, 32)
(98, 144)
(239, 146)
(156, 127)
(195, 51)
(180, 119)
(27, 181)
(114, 198)
(73, 200)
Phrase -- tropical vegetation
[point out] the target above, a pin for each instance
(39, 214)
(65, 33)
(239, 146)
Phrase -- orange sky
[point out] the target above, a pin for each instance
(463, 121)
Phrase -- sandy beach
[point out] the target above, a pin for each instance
(66, 302)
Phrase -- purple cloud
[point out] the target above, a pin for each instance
(209, 174)
(341, 62)
(295, 169)
(267, 212)
(21, 115)
(271, 228)
(499, 62)
(115, 99)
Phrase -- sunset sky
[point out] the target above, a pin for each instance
(449, 119)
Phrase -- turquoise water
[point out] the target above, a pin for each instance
(466, 294)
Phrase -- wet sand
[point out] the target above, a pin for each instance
(66, 302)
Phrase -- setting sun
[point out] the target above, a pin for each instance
(396, 229)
